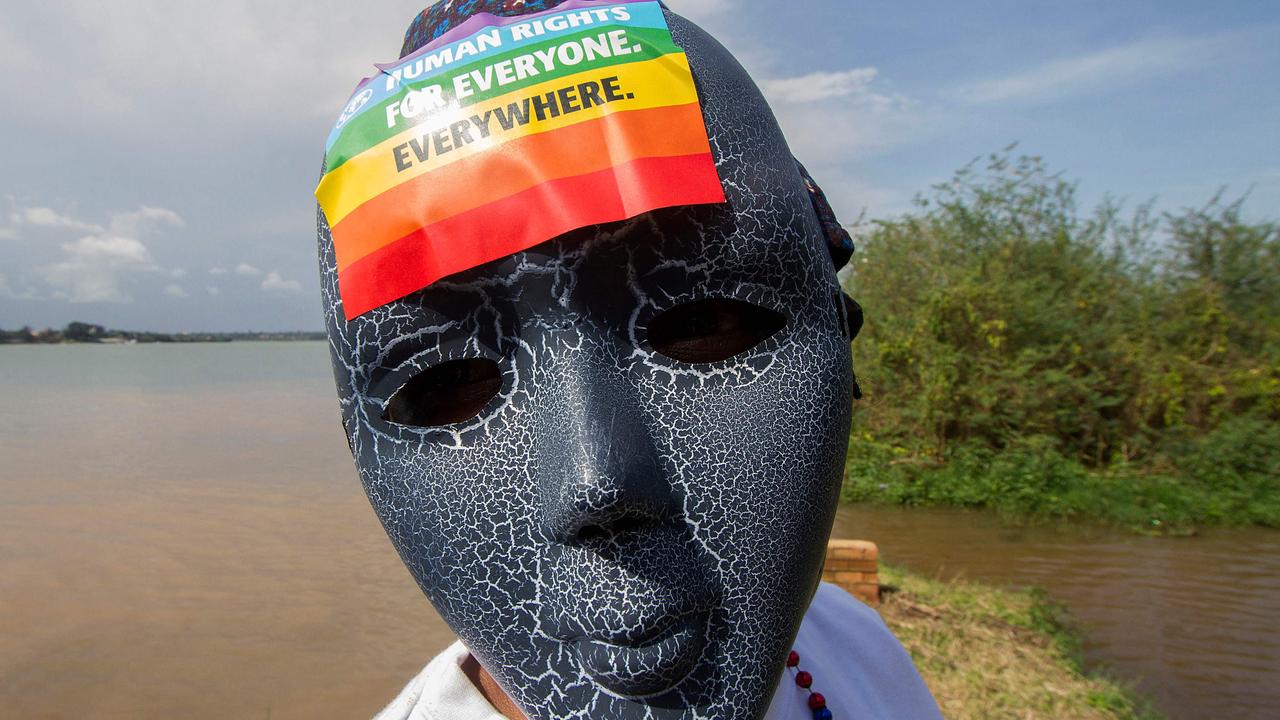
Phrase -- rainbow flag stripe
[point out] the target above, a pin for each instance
(505, 133)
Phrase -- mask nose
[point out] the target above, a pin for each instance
(600, 473)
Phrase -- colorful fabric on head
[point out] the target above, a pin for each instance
(839, 242)
(439, 18)
(504, 132)
(445, 15)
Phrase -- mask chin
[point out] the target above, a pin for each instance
(611, 462)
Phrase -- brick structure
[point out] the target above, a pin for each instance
(854, 566)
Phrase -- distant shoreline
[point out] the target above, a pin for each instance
(86, 333)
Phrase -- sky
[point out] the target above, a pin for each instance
(160, 157)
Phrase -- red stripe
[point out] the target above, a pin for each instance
(515, 166)
(522, 220)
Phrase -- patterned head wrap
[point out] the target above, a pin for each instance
(447, 14)
(438, 19)
(839, 242)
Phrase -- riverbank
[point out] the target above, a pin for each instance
(79, 332)
(988, 653)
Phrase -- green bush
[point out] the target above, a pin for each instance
(1024, 355)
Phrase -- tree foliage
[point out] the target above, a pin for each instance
(1007, 326)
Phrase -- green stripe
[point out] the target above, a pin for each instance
(370, 128)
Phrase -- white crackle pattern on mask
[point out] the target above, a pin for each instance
(618, 534)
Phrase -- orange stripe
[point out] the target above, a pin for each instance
(520, 221)
(514, 167)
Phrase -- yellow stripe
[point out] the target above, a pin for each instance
(654, 83)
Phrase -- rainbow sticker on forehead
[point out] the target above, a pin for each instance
(504, 133)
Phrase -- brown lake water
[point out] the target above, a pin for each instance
(182, 535)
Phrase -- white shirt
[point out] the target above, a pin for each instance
(856, 663)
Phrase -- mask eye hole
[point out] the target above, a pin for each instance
(707, 331)
(447, 393)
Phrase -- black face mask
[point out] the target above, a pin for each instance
(612, 461)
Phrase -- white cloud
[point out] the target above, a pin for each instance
(207, 80)
(820, 86)
(7, 290)
(175, 291)
(213, 291)
(247, 270)
(177, 273)
(136, 222)
(837, 117)
(217, 271)
(14, 54)
(126, 224)
(48, 218)
(94, 268)
(99, 266)
(8, 234)
(833, 119)
(1098, 71)
(275, 283)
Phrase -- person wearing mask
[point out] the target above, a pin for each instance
(593, 365)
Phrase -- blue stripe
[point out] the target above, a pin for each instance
(643, 15)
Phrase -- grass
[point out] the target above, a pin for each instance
(988, 653)
(1229, 477)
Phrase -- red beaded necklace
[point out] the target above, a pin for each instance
(817, 703)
